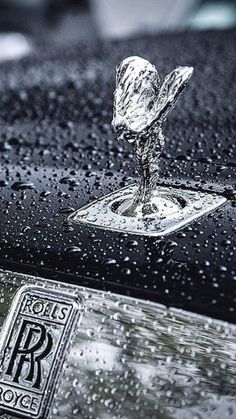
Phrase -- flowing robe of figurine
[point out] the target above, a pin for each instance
(140, 107)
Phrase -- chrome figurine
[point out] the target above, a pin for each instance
(147, 209)
(141, 105)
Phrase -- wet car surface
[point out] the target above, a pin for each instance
(58, 153)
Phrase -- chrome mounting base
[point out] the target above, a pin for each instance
(176, 207)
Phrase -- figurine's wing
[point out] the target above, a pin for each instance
(135, 97)
(173, 85)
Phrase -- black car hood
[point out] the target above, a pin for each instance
(58, 153)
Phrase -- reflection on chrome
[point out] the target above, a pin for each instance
(135, 359)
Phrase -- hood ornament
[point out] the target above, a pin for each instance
(141, 105)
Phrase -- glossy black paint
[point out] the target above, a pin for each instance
(58, 153)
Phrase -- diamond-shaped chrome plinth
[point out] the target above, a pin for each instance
(103, 213)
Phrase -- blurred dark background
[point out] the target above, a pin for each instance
(23, 23)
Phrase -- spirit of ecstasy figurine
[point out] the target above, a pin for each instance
(140, 107)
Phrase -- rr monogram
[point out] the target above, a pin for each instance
(25, 351)
(38, 330)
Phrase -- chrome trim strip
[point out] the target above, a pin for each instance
(131, 358)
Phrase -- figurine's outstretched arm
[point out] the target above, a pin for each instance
(170, 91)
